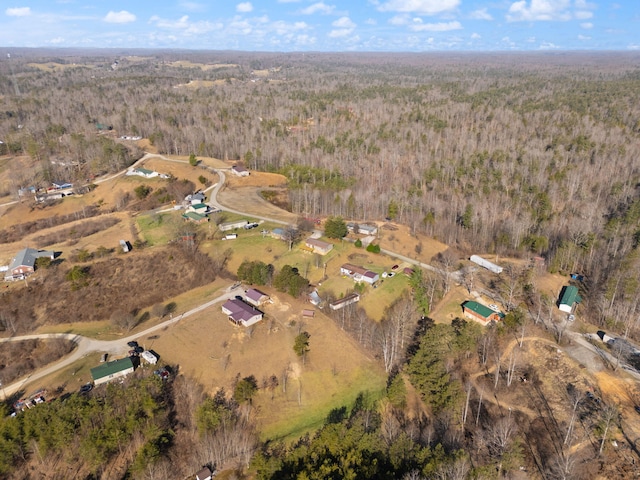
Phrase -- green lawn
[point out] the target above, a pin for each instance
(320, 392)
(158, 228)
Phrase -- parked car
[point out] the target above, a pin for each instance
(132, 344)
(395, 267)
(87, 387)
(391, 274)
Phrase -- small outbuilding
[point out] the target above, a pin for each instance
(204, 474)
(492, 267)
(150, 357)
(225, 227)
(318, 246)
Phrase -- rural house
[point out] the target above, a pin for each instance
(318, 246)
(314, 298)
(112, 370)
(61, 185)
(241, 313)
(197, 198)
(343, 302)
(194, 217)
(480, 313)
(359, 274)
(142, 172)
(204, 474)
(256, 297)
(239, 171)
(24, 263)
(569, 298)
(367, 229)
(199, 208)
(224, 227)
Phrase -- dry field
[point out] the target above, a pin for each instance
(212, 350)
(203, 66)
(57, 67)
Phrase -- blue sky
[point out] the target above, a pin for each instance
(308, 25)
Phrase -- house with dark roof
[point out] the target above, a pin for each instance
(256, 297)
(569, 298)
(241, 313)
(318, 246)
(480, 313)
(112, 370)
(239, 171)
(344, 301)
(204, 474)
(24, 263)
(359, 274)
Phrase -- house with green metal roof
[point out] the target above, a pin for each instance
(480, 313)
(194, 217)
(569, 298)
(112, 370)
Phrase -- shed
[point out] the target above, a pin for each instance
(112, 370)
(318, 246)
(308, 313)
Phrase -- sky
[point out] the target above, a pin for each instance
(326, 25)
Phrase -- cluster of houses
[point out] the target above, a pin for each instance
(196, 210)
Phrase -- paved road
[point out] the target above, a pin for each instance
(86, 345)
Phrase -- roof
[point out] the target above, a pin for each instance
(204, 474)
(314, 242)
(354, 268)
(144, 171)
(255, 294)
(199, 206)
(239, 168)
(478, 308)
(235, 222)
(196, 217)
(370, 274)
(111, 368)
(569, 295)
(27, 256)
(277, 231)
(349, 298)
(240, 311)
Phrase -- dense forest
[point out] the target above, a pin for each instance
(532, 154)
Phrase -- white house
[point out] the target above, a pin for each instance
(239, 171)
(112, 370)
(256, 297)
(142, 172)
(343, 302)
(318, 246)
(224, 227)
(359, 274)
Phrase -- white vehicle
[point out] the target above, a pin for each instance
(384, 274)
(494, 307)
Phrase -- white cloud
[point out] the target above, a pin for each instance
(426, 7)
(18, 12)
(344, 22)
(56, 41)
(183, 23)
(583, 14)
(400, 20)
(370, 21)
(435, 27)
(319, 7)
(481, 14)
(536, 10)
(586, 25)
(339, 33)
(193, 6)
(475, 36)
(584, 37)
(548, 46)
(120, 17)
(633, 47)
(244, 7)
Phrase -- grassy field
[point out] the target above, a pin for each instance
(158, 228)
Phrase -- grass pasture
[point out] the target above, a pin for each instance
(158, 228)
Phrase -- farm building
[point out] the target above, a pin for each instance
(239, 171)
(318, 246)
(343, 302)
(359, 274)
(194, 217)
(241, 313)
(24, 263)
(224, 227)
(112, 370)
(199, 208)
(569, 298)
(256, 297)
(486, 264)
(480, 313)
